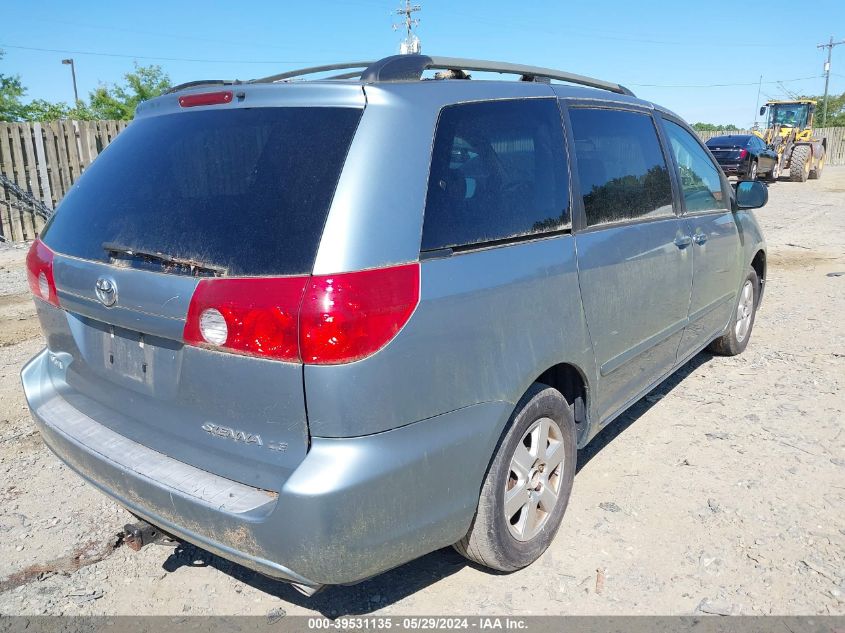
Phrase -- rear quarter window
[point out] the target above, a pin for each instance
(498, 171)
(245, 190)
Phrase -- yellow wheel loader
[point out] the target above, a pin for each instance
(789, 132)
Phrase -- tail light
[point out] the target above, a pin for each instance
(39, 273)
(255, 316)
(349, 316)
(321, 320)
(743, 153)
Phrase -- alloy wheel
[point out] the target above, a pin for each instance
(533, 485)
(744, 311)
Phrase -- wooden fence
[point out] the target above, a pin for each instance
(43, 160)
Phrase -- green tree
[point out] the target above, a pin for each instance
(42, 110)
(835, 110)
(120, 101)
(11, 92)
(713, 127)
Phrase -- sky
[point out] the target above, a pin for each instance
(678, 54)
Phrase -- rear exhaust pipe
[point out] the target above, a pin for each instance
(141, 534)
(137, 535)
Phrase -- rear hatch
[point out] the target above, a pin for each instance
(205, 193)
(728, 151)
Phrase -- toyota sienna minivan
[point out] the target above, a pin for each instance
(323, 327)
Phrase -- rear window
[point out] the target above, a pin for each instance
(245, 190)
(731, 141)
(498, 171)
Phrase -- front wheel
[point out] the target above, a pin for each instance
(816, 171)
(735, 339)
(527, 487)
(799, 163)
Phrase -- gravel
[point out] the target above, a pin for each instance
(730, 476)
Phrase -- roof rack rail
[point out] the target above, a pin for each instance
(315, 69)
(202, 82)
(411, 67)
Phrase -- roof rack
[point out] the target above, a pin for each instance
(411, 67)
(316, 69)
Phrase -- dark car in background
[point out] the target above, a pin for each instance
(744, 156)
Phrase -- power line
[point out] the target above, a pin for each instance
(749, 83)
(181, 37)
(166, 59)
(606, 35)
(787, 91)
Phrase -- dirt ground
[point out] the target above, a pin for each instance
(723, 491)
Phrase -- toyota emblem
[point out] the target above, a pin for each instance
(106, 291)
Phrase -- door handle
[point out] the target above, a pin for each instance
(699, 238)
(682, 241)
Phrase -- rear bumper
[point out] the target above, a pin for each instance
(353, 508)
(734, 169)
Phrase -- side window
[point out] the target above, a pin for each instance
(699, 176)
(621, 167)
(498, 170)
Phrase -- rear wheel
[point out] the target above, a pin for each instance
(736, 337)
(799, 164)
(752, 172)
(775, 173)
(816, 171)
(527, 488)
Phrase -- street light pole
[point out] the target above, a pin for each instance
(73, 74)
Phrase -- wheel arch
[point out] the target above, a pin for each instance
(571, 381)
(758, 263)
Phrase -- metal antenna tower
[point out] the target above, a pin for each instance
(411, 44)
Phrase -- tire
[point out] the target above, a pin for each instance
(799, 164)
(752, 170)
(816, 171)
(507, 543)
(736, 337)
(775, 173)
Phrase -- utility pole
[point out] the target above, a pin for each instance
(411, 44)
(69, 62)
(829, 46)
(757, 107)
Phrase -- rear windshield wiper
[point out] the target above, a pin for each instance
(175, 264)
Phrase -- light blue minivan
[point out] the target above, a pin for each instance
(323, 327)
